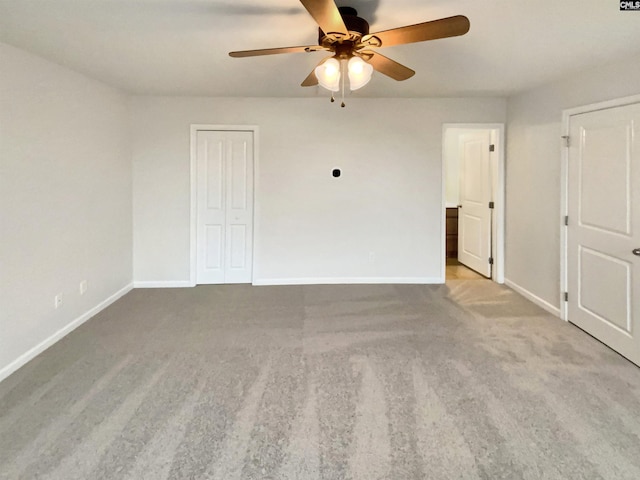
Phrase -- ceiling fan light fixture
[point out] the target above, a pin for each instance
(328, 74)
(345, 34)
(359, 73)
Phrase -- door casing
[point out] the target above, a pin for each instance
(564, 186)
(194, 199)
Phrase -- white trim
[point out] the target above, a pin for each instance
(42, 346)
(497, 274)
(193, 191)
(564, 210)
(564, 183)
(532, 297)
(349, 280)
(500, 206)
(443, 210)
(163, 284)
(592, 107)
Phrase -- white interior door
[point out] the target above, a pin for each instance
(474, 215)
(603, 273)
(224, 243)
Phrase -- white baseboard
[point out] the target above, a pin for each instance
(42, 346)
(532, 297)
(167, 284)
(348, 280)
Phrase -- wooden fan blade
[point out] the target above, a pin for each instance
(389, 67)
(326, 15)
(274, 51)
(311, 79)
(443, 28)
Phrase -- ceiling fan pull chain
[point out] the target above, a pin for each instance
(344, 71)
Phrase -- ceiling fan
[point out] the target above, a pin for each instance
(347, 36)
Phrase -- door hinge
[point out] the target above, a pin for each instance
(490, 260)
(492, 148)
(566, 220)
(567, 141)
(491, 205)
(566, 296)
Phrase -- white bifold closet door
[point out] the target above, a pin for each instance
(224, 207)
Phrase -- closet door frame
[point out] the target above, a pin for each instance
(195, 128)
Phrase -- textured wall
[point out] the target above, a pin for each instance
(533, 170)
(65, 198)
(310, 226)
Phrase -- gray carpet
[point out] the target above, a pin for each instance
(461, 381)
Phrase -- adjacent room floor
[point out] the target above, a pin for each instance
(465, 380)
(455, 270)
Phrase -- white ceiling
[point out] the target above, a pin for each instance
(179, 47)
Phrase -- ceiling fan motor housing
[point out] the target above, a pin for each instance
(357, 27)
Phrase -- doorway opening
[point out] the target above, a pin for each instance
(473, 201)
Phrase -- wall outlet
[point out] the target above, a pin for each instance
(83, 287)
(57, 301)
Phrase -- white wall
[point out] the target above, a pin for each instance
(311, 227)
(65, 200)
(533, 171)
(451, 153)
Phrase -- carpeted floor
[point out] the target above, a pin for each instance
(462, 381)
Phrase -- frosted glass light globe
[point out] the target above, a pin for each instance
(328, 74)
(359, 73)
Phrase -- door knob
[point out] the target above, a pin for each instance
(636, 251)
